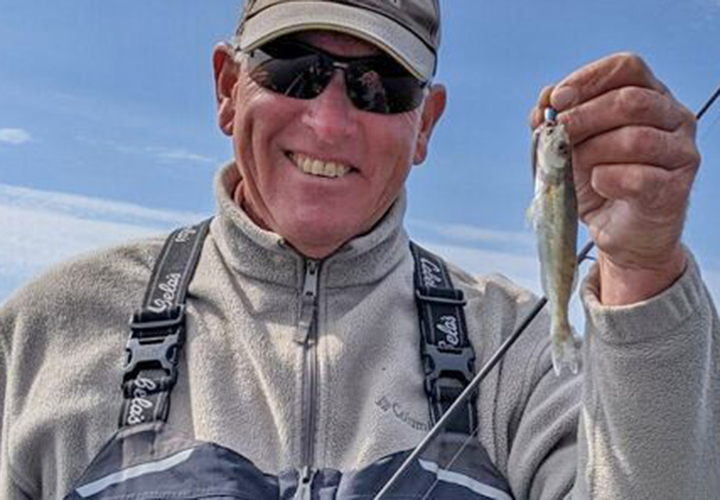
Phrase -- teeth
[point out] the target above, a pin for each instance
(330, 169)
(319, 167)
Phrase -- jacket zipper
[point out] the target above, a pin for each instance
(307, 337)
(304, 491)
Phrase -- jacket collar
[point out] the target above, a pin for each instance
(264, 255)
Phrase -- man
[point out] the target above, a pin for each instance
(301, 368)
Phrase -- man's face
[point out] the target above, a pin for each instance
(280, 141)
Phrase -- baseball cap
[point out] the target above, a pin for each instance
(408, 30)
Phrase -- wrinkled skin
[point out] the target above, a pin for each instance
(317, 215)
(635, 159)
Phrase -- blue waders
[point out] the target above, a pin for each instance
(147, 460)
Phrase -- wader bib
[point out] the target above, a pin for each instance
(146, 460)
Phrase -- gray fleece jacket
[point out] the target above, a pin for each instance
(641, 422)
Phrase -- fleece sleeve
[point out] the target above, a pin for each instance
(9, 489)
(642, 419)
(651, 396)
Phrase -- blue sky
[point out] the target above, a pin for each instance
(107, 127)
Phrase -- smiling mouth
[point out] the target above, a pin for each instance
(318, 167)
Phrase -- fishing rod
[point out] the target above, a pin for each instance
(709, 103)
(494, 359)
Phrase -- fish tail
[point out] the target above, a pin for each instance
(565, 348)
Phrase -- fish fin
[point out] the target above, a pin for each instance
(565, 352)
(533, 214)
(530, 214)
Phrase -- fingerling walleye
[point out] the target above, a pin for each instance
(553, 213)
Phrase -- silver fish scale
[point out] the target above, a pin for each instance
(554, 217)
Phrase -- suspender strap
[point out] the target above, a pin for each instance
(448, 358)
(158, 330)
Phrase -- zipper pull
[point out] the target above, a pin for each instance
(304, 491)
(310, 283)
(308, 301)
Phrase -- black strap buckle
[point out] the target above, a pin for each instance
(453, 367)
(444, 296)
(146, 351)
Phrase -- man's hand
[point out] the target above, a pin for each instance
(634, 158)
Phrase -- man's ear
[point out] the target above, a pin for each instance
(432, 111)
(226, 71)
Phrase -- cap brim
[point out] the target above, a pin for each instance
(290, 17)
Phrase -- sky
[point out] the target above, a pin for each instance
(107, 124)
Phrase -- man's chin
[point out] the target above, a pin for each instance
(318, 242)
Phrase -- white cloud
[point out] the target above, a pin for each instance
(522, 269)
(41, 228)
(14, 136)
(83, 207)
(474, 234)
(482, 251)
(159, 153)
(179, 156)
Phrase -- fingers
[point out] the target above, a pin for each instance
(609, 73)
(629, 133)
(651, 168)
(623, 107)
(617, 90)
(617, 113)
(657, 190)
(668, 150)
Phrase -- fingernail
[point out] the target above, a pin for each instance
(562, 98)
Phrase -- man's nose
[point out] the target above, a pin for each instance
(331, 114)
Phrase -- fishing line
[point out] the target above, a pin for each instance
(480, 376)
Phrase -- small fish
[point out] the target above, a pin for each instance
(554, 217)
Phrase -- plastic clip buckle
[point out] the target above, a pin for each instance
(456, 364)
(155, 352)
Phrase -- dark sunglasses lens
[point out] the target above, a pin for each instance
(290, 70)
(379, 91)
(375, 84)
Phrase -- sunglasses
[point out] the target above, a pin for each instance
(377, 83)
